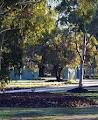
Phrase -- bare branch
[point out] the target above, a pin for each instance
(9, 29)
(1, 7)
(28, 2)
(88, 39)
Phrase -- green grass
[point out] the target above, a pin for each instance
(48, 113)
(32, 83)
(37, 83)
(43, 112)
(72, 81)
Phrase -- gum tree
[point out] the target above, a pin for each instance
(77, 15)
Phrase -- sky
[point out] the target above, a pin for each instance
(53, 3)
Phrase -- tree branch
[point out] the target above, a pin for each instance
(88, 39)
(9, 29)
(28, 2)
(24, 2)
(78, 50)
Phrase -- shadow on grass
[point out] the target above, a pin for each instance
(30, 114)
(16, 112)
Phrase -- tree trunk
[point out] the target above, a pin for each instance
(0, 58)
(81, 74)
(42, 66)
(57, 76)
(53, 72)
(41, 71)
(82, 60)
(1, 62)
(58, 72)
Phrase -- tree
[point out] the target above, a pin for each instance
(30, 21)
(78, 15)
(61, 52)
(86, 11)
(11, 53)
(31, 18)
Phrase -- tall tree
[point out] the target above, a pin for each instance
(77, 15)
(32, 19)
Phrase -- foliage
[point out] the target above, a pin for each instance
(87, 8)
(91, 50)
(63, 49)
(93, 25)
(11, 53)
(77, 16)
(32, 19)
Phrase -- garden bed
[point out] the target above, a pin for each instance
(36, 100)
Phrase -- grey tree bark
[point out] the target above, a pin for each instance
(82, 60)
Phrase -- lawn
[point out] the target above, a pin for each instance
(67, 113)
(38, 83)
(72, 113)
(32, 83)
(48, 113)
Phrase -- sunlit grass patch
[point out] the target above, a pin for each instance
(33, 83)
